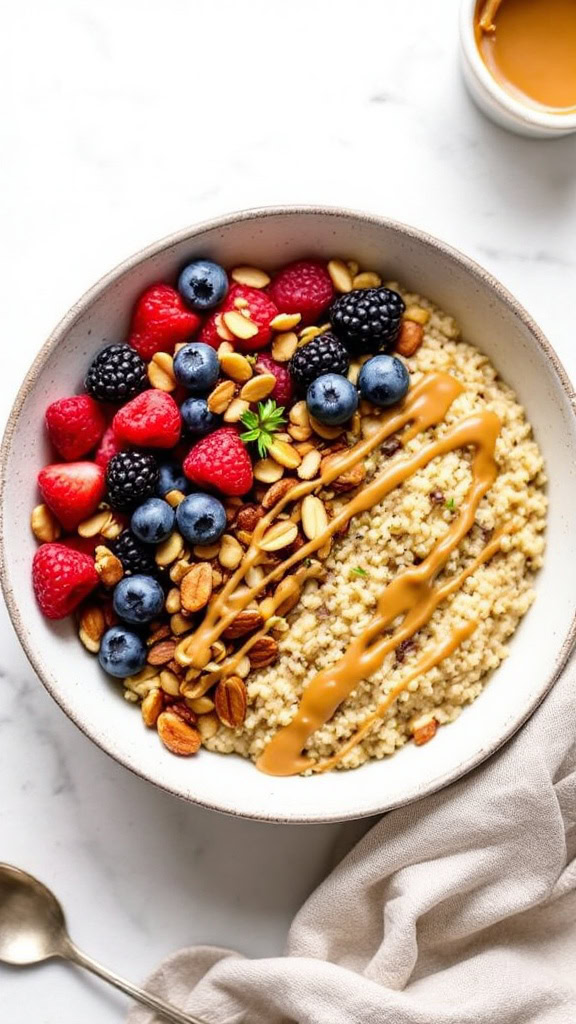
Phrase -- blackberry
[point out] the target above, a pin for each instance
(131, 477)
(116, 374)
(367, 319)
(324, 354)
(135, 556)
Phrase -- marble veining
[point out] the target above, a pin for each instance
(109, 142)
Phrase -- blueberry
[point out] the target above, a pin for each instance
(196, 367)
(153, 521)
(138, 599)
(122, 652)
(201, 518)
(171, 478)
(384, 381)
(203, 284)
(332, 399)
(198, 420)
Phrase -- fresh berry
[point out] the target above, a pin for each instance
(153, 521)
(196, 367)
(332, 399)
(122, 652)
(323, 354)
(384, 381)
(131, 477)
(138, 599)
(203, 284)
(135, 556)
(261, 309)
(262, 424)
(367, 319)
(201, 519)
(171, 478)
(75, 425)
(303, 287)
(221, 461)
(109, 446)
(151, 420)
(160, 321)
(283, 392)
(197, 418)
(116, 374)
(72, 490)
(62, 578)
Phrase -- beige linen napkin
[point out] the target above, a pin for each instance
(460, 908)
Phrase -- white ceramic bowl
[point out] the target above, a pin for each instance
(491, 319)
(498, 104)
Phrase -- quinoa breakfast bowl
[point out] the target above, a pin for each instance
(285, 495)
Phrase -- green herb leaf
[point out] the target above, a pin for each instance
(263, 424)
(357, 571)
(451, 504)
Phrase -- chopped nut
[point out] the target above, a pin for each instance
(151, 707)
(196, 587)
(143, 682)
(203, 551)
(184, 711)
(45, 526)
(208, 725)
(236, 366)
(230, 700)
(236, 410)
(314, 517)
(248, 517)
(299, 433)
(218, 650)
(303, 447)
(92, 627)
(94, 525)
(369, 279)
(179, 570)
(222, 331)
(108, 566)
(174, 498)
(285, 321)
(179, 737)
(310, 465)
(277, 492)
(224, 349)
(173, 603)
(410, 338)
(418, 314)
(219, 399)
(162, 652)
(284, 346)
(179, 624)
(170, 683)
(263, 653)
(169, 550)
(243, 667)
(340, 276)
(157, 633)
(255, 575)
(250, 276)
(279, 535)
(348, 480)
(258, 387)
(239, 325)
(231, 553)
(425, 733)
(267, 471)
(201, 705)
(244, 537)
(322, 554)
(246, 621)
(299, 414)
(285, 454)
(353, 267)
(328, 433)
(161, 372)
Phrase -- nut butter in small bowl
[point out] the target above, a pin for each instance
(519, 63)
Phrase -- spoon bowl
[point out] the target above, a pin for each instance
(32, 924)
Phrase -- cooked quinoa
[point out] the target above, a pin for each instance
(397, 533)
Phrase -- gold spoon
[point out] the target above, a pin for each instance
(33, 929)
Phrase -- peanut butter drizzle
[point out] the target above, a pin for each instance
(428, 660)
(425, 406)
(489, 12)
(411, 594)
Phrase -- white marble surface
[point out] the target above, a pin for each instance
(121, 122)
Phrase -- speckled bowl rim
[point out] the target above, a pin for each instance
(78, 309)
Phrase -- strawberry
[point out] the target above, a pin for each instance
(303, 287)
(221, 461)
(72, 490)
(109, 446)
(160, 320)
(151, 420)
(283, 392)
(261, 309)
(61, 578)
(75, 425)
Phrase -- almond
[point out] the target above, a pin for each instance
(267, 471)
(425, 733)
(410, 338)
(230, 701)
(258, 387)
(263, 653)
(162, 652)
(219, 399)
(235, 365)
(248, 517)
(196, 587)
(45, 526)
(245, 622)
(179, 737)
(151, 707)
(279, 536)
(314, 517)
(277, 492)
(250, 276)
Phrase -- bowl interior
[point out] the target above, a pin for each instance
(490, 320)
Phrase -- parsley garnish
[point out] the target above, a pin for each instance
(357, 571)
(263, 424)
(451, 504)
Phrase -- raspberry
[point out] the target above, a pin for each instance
(72, 490)
(323, 354)
(75, 425)
(135, 556)
(151, 420)
(283, 392)
(131, 477)
(160, 320)
(116, 374)
(61, 578)
(221, 461)
(367, 319)
(262, 310)
(303, 287)
(109, 446)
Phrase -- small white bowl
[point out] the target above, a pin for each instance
(491, 319)
(498, 104)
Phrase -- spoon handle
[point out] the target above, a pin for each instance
(164, 1010)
